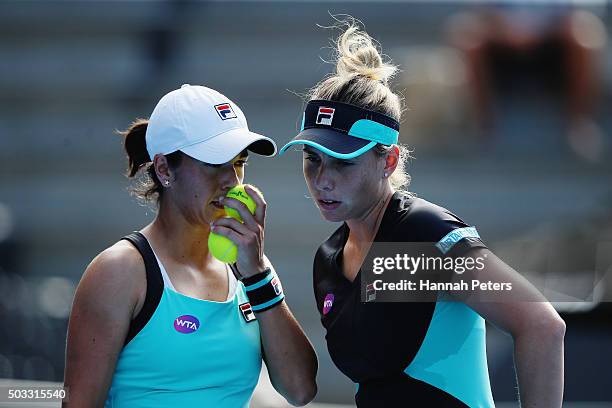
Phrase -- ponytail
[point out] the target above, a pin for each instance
(136, 146)
(148, 187)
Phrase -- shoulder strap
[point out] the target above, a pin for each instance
(155, 284)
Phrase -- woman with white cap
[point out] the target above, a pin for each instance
(422, 345)
(156, 320)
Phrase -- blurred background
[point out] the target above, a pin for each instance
(508, 115)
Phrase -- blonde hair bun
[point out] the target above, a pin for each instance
(361, 76)
(358, 55)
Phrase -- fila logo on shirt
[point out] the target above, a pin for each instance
(325, 116)
(247, 312)
(186, 324)
(370, 292)
(225, 111)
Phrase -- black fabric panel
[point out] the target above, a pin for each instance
(403, 391)
(155, 284)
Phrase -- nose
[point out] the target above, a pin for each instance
(324, 180)
(229, 177)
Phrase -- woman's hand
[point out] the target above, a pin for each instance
(248, 235)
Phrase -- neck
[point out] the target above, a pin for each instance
(363, 228)
(178, 239)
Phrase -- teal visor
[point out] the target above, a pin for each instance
(342, 130)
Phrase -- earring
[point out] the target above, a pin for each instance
(166, 183)
(386, 174)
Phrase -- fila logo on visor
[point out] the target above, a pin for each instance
(225, 111)
(325, 116)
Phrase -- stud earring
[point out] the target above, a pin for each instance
(386, 174)
(166, 183)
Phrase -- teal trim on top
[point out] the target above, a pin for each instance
(453, 356)
(343, 156)
(374, 131)
(456, 235)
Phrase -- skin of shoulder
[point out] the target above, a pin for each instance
(117, 273)
(109, 295)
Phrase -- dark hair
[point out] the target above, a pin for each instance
(148, 187)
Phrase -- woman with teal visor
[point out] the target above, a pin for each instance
(425, 353)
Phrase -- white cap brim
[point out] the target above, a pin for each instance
(224, 147)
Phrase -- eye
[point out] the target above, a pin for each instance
(241, 163)
(312, 159)
(345, 163)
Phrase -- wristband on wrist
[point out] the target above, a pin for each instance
(264, 290)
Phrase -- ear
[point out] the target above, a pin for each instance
(392, 160)
(162, 169)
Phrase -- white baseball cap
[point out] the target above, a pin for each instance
(203, 124)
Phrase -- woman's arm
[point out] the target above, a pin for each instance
(535, 326)
(103, 305)
(291, 359)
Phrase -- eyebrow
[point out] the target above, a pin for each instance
(309, 150)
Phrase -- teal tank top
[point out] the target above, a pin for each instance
(190, 352)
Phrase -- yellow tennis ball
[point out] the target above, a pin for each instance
(241, 195)
(222, 248)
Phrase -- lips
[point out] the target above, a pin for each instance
(328, 204)
(216, 203)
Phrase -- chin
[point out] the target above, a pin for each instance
(215, 214)
(332, 217)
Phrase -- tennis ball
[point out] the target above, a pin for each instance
(241, 195)
(222, 247)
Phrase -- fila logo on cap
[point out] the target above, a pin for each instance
(325, 116)
(247, 312)
(225, 111)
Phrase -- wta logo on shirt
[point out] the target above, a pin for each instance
(225, 111)
(325, 116)
(186, 324)
(328, 303)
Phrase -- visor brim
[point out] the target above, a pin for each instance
(331, 142)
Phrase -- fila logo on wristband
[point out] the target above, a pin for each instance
(277, 286)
